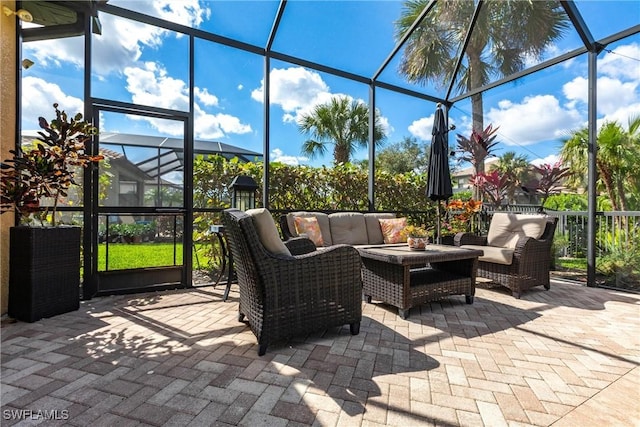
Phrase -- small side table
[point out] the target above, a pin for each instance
(227, 259)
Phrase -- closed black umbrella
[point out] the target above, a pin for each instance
(438, 174)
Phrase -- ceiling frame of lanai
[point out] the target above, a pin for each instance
(590, 46)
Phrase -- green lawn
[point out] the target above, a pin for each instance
(125, 256)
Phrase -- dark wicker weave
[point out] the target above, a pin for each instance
(44, 277)
(531, 261)
(401, 277)
(284, 296)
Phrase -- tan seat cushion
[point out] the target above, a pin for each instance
(493, 254)
(374, 232)
(506, 228)
(267, 231)
(323, 222)
(349, 228)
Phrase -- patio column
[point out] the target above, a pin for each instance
(591, 185)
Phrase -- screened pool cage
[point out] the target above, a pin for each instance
(463, 55)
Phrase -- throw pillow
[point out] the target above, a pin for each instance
(267, 231)
(392, 230)
(309, 226)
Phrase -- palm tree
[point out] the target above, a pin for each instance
(505, 35)
(340, 122)
(515, 168)
(616, 159)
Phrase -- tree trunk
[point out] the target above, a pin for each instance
(477, 111)
(607, 179)
(341, 153)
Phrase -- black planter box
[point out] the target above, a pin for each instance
(44, 272)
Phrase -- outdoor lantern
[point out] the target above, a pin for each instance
(244, 192)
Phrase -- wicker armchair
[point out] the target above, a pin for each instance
(519, 266)
(285, 295)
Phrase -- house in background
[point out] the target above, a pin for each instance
(141, 166)
(461, 178)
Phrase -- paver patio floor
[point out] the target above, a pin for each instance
(564, 357)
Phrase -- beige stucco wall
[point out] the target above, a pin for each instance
(7, 133)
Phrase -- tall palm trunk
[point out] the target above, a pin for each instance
(477, 113)
(607, 179)
(341, 152)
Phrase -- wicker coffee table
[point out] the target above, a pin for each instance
(404, 278)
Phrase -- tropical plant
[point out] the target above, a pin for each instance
(476, 149)
(493, 185)
(341, 122)
(48, 168)
(506, 34)
(516, 168)
(616, 160)
(548, 180)
(566, 202)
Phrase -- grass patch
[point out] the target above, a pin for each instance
(575, 264)
(124, 256)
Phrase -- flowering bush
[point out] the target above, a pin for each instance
(460, 216)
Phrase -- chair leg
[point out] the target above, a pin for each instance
(516, 294)
(262, 349)
(469, 299)
(240, 317)
(547, 286)
(354, 328)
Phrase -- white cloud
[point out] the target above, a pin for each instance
(205, 97)
(621, 63)
(277, 155)
(422, 128)
(551, 159)
(618, 86)
(535, 119)
(296, 90)
(612, 94)
(122, 40)
(38, 97)
(152, 86)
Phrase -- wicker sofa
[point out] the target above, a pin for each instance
(351, 228)
(517, 250)
(290, 288)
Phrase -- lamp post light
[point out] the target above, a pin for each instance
(244, 192)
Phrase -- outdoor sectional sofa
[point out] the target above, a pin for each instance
(351, 228)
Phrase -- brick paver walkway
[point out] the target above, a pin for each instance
(566, 357)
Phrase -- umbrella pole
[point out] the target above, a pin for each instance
(438, 238)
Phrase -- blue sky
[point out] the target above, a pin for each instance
(137, 63)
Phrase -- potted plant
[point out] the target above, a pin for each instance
(44, 266)
(417, 237)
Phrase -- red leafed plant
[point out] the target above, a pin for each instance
(493, 185)
(548, 180)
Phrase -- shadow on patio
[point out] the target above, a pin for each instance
(182, 358)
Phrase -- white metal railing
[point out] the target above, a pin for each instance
(614, 231)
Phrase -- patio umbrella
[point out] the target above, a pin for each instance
(438, 174)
